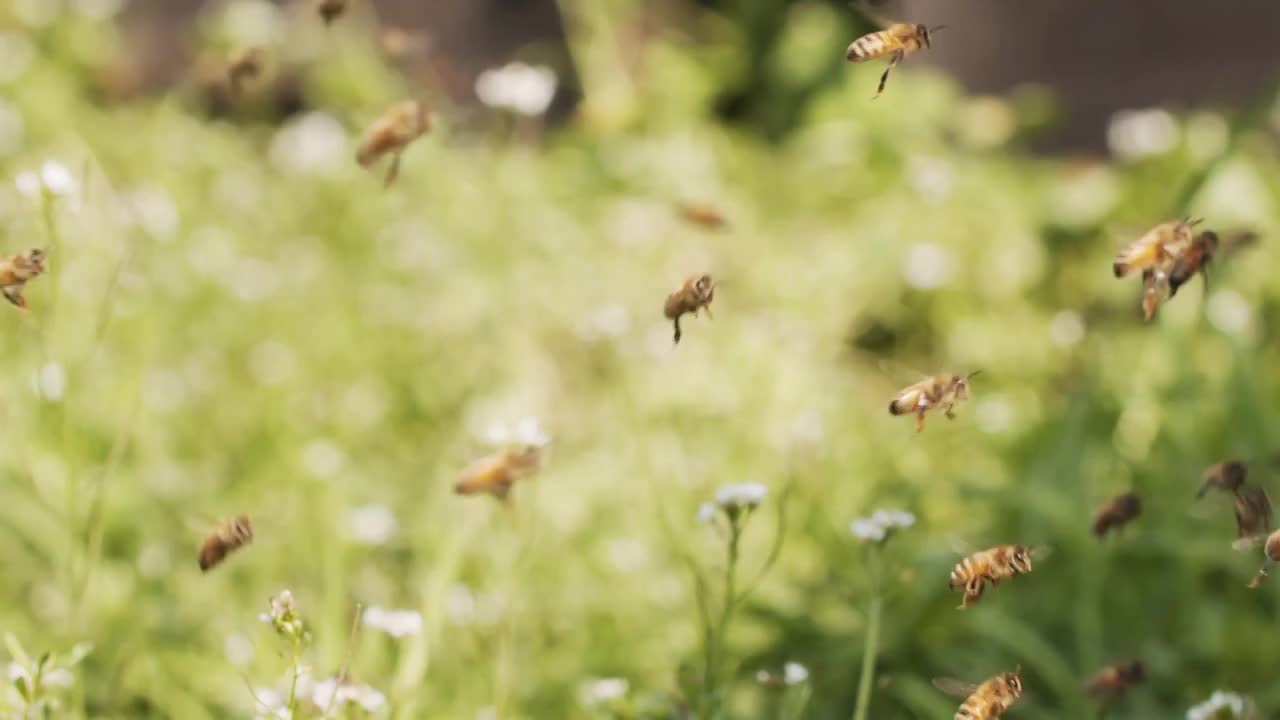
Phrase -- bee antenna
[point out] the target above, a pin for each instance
(973, 374)
(936, 28)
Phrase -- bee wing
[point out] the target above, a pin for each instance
(1238, 240)
(961, 547)
(1253, 512)
(1246, 544)
(863, 8)
(1041, 552)
(956, 688)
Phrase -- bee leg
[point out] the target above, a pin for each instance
(950, 412)
(1263, 572)
(676, 323)
(14, 295)
(393, 171)
(708, 309)
(897, 58)
(920, 418)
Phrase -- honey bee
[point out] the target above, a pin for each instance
(244, 64)
(1271, 556)
(17, 271)
(897, 41)
(695, 294)
(988, 701)
(1227, 476)
(223, 540)
(704, 215)
(1116, 513)
(1193, 260)
(1253, 516)
(972, 573)
(495, 474)
(1116, 680)
(937, 391)
(331, 10)
(392, 132)
(1155, 249)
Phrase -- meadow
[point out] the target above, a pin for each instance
(239, 319)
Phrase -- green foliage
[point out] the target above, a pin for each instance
(239, 319)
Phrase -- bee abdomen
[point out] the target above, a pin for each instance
(894, 408)
(866, 47)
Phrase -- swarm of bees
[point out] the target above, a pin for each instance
(938, 391)
(495, 474)
(1117, 513)
(17, 271)
(226, 538)
(391, 133)
(695, 294)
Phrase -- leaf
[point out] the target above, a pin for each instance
(15, 650)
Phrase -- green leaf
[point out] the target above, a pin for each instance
(15, 650)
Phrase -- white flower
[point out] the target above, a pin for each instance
(371, 524)
(867, 529)
(893, 518)
(1142, 133)
(330, 695)
(16, 671)
(706, 513)
(396, 623)
(57, 178)
(604, 690)
(741, 495)
(793, 673)
(530, 432)
(518, 87)
(764, 677)
(926, 266)
(57, 677)
(313, 144)
(28, 184)
(1220, 700)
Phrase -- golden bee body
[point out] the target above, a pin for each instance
(331, 10)
(1117, 513)
(695, 294)
(1227, 476)
(223, 540)
(495, 474)
(1193, 260)
(703, 215)
(1155, 249)
(391, 133)
(987, 701)
(896, 42)
(1117, 679)
(972, 573)
(938, 391)
(17, 271)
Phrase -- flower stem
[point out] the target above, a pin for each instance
(293, 683)
(716, 656)
(870, 644)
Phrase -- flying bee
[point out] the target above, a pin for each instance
(1227, 476)
(1253, 516)
(244, 64)
(224, 539)
(1193, 260)
(1117, 513)
(972, 573)
(495, 474)
(896, 41)
(703, 215)
(988, 701)
(391, 133)
(1116, 680)
(17, 271)
(331, 10)
(1155, 249)
(937, 391)
(695, 294)
(1271, 556)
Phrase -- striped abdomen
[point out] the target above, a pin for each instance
(905, 37)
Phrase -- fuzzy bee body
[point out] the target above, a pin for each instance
(495, 474)
(695, 294)
(223, 540)
(1117, 679)
(391, 133)
(1155, 249)
(987, 701)
(1226, 476)
(1193, 260)
(1117, 513)
(896, 42)
(17, 271)
(971, 574)
(942, 391)
(703, 215)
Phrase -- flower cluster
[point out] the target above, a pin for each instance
(734, 501)
(877, 527)
(1221, 705)
(284, 617)
(333, 695)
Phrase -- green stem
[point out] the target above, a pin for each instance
(870, 644)
(716, 658)
(293, 683)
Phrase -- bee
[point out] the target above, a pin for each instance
(17, 271)
(937, 391)
(897, 41)
(495, 474)
(1227, 476)
(972, 573)
(1118, 679)
(704, 215)
(1155, 249)
(1193, 260)
(244, 64)
(988, 701)
(331, 10)
(392, 132)
(1253, 516)
(224, 539)
(695, 294)
(1116, 513)
(1271, 556)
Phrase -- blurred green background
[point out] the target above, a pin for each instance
(238, 318)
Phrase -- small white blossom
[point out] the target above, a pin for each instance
(396, 623)
(741, 495)
(28, 184)
(1136, 134)
(793, 673)
(927, 266)
(867, 529)
(371, 524)
(893, 518)
(1212, 708)
(876, 527)
(57, 178)
(706, 513)
(331, 695)
(521, 88)
(604, 690)
(529, 432)
(764, 677)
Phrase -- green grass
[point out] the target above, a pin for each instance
(235, 336)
